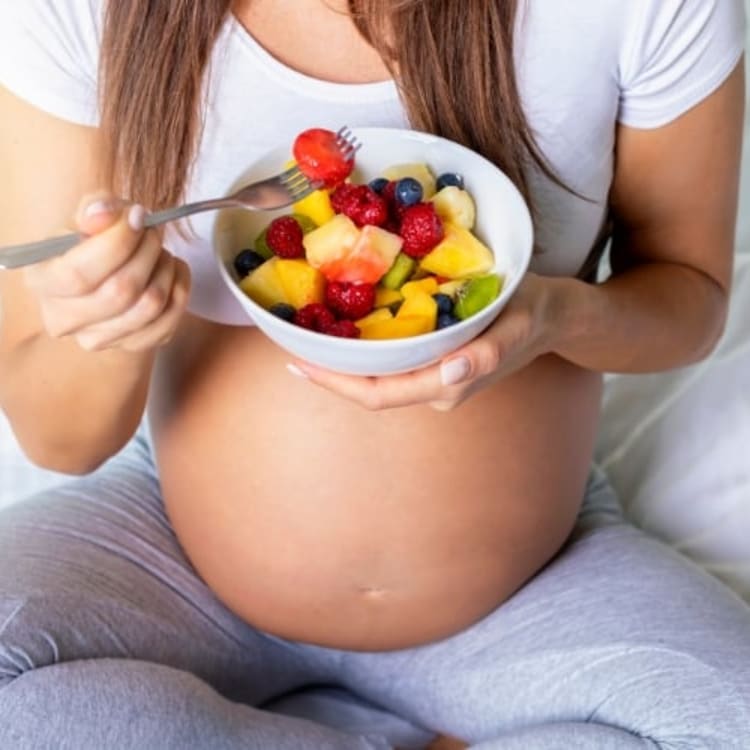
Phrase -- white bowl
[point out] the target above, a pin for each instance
(503, 223)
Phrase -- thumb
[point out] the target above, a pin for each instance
(97, 212)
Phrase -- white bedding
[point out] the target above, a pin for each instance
(675, 444)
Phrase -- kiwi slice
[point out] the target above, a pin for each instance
(476, 294)
(399, 272)
(261, 245)
(305, 222)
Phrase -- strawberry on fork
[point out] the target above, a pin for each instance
(325, 156)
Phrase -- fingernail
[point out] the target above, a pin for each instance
(136, 217)
(98, 207)
(454, 371)
(296, 371)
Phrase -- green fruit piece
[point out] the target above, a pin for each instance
(305, 222)
(261, 245)
(476, 294)
(399, 272)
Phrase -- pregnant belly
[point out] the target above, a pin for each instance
(318, 521)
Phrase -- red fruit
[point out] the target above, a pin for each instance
(284, 237)
(349, 300)
(343, 195)
(360, 203)
(344, 329)
(315, 316)
(421, 229)
(319, 157)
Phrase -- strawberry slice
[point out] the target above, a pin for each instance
(319, 157)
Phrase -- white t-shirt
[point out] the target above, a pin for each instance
(582, 65)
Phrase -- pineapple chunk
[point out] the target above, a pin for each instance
(454, 205)
(263, 285)
(459, 254)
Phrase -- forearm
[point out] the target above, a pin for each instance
(649, 318)
(71, 409)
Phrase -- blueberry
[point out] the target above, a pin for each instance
(283, 311)
(444, 320)
(444, 303)
(449, 178)
(408, 191)
(246, 261)
(378, 184)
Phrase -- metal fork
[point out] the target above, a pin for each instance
(279, 191)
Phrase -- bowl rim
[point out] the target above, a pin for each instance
(371, 345)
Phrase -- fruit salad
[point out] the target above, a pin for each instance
(391, 258)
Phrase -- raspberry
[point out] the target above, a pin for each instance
(344, 329)
(315, 317)
(421, 229)
(360, 203)
(284, 237)
(349, 300)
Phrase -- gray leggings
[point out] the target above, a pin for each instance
(110, 641)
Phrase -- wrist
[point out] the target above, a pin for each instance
(561, 313)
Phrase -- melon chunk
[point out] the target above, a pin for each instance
(330, 242)
(343, 252)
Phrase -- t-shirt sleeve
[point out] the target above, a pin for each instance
(49, 51)
(676, 53)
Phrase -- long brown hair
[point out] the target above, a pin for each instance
(453, 61)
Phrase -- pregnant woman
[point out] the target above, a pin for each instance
(433, 552)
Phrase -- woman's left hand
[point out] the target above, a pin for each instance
(519, 335)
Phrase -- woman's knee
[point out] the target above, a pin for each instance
(670, 697)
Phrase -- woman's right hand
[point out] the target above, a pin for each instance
(118, 289)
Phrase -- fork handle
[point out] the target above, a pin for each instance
(15, 256)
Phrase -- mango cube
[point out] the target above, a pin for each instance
(302, 284)
(428, 285)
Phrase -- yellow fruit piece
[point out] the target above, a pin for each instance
(332, 241)
(396, 328)
(263, 285)
(302, 284)
(459, 254)
(420, 172)
(455, 205)
(419, 305)
(385, 297)
(376, 316)
(427, 285)
(416, 315)
(316, 206)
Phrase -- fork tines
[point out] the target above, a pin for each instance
(296, 182)
(347, 142)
